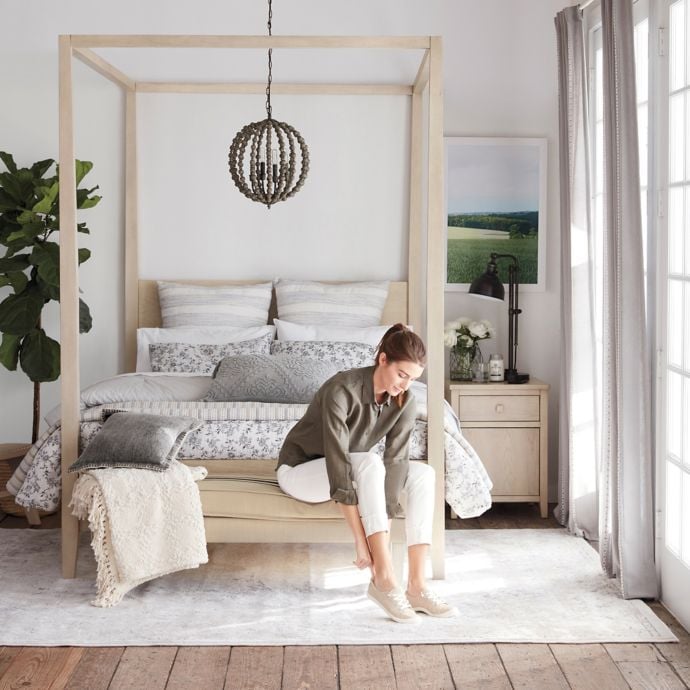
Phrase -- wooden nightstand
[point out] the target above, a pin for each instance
(507, 426)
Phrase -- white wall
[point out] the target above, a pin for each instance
(347, 222)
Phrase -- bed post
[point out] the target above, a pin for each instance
(415, 252)
(434, 297)
(69, 309)
(131, 232)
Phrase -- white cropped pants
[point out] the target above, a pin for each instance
(309, 482)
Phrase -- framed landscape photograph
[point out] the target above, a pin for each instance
(496, 202)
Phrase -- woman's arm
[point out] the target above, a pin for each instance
(354, 522)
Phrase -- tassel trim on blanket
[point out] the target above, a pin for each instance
(88, 502)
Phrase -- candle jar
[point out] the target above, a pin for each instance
(496, 368)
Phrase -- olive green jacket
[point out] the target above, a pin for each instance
(344, 418)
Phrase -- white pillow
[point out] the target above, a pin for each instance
(346, 334)
(194, 336)
(221, 305)
(345, 304)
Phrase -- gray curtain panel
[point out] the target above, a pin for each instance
(626, 545)
(579, 422)
(605, 459)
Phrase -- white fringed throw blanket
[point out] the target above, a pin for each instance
(144, 524)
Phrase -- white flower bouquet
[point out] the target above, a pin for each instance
(462, 336)
(464, 333)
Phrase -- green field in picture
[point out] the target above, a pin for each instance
(467, 257)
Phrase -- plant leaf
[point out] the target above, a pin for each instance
(14, 263)
(19, 314)
(18, 280)
(19, 186)
(9, 351)
(47, 257)
(8, 160)
(81, 227)
(45, 203)
(40, 356)
(82, 169)
(90, 202)
(84, 255)
(40, 167)
(85, 320)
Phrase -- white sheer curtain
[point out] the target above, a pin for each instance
(605, 460)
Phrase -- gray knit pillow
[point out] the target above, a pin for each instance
(266, 378)
(136, 440)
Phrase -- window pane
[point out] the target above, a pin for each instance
(599, 159)
(685, 317)
(677, 47)
(642, 142)
(684, 222)
(674, 414)
(686, 424)
(643, 211)
(641, 59)
(675, 323)
(599, 81)
(676, 137)
(685, 522)
(675, 230)
(673, 507)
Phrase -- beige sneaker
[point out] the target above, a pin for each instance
(394, 603)
(430, 603)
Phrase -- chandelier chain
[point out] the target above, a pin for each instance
(270, 63)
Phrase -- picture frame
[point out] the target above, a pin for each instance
(495, 201)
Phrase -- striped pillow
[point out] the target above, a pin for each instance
(346, 304)
(226, 305)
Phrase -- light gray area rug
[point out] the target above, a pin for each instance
(534, 585)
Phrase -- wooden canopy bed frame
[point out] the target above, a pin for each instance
(418, 301)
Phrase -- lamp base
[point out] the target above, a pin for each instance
(512, 376)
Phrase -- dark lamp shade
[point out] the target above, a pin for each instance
(488, 285)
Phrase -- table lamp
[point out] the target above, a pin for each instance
(489, 285)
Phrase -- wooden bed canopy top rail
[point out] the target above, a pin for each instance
(262, 42)
(425, 284)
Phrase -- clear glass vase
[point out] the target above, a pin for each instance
(461, 359)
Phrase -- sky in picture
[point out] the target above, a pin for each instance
(490, 177)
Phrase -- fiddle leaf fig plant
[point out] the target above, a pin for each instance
(30, 267)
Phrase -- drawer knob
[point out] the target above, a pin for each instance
(499, 408)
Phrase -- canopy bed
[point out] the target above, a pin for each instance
(418, 301)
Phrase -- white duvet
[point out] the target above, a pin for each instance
(231, 430)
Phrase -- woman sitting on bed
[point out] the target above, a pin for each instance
(327, 456)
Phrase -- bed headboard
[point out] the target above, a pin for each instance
(394, 311)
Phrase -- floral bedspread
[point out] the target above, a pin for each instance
(247, 431)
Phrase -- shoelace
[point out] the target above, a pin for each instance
(400, 599)
(433, 597)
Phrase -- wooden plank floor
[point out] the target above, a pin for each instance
(374, 667)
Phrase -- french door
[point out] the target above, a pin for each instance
(673, 337)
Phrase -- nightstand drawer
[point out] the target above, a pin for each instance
(498, 408)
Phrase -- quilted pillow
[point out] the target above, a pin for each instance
(222, 305)
(134, 440)
(267, 378)
(344, 304)
(199, 335)
(343, 355)
(202, 359)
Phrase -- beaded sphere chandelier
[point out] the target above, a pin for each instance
(268, 160)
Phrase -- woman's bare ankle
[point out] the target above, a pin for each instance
(385, 582)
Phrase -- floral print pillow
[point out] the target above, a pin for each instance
(343, 355)
(203, 359)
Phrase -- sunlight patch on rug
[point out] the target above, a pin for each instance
(533, 585)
